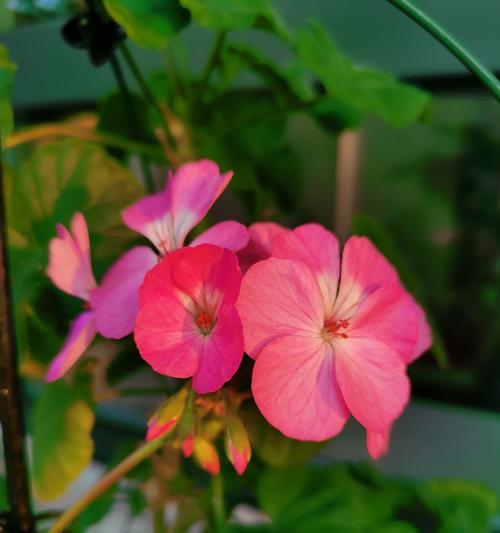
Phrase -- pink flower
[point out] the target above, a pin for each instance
(165, 218)
(187, 323)
(259, 246)
(70, 270)
(324, 348)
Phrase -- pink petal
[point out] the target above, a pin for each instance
(260, 245)
(69, 265)
(424, 336)
(378, 443)
(373, 381)
(279, 297)
(318, 249)
(229, 234)
(364, 269)
(207, 272)
(116, 300)
(166, 339)
(222, 352)
(167, 217)
(295, 387)
(81, 334)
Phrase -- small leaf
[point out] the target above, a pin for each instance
(368, 90)
(149, 23)
(7, 69)
(236, 15)
(62, 442)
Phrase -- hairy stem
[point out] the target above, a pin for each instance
(449, 42)
(114, 475)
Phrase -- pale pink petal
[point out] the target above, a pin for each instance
(295, 387)
(364, 269)
(378, 443)
(116, 300)
(387, 315)
(208, 274)
(317, 248)
(167, 337)
(279, 297)
(424, 336)
(373, 381)
(151, 216)
(81, 334)
(259, 246)
(222, 352)
(229, 234)
(69, 265)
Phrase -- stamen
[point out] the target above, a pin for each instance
(331, 329)
(205, 323)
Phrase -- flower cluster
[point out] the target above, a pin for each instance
(331, 334)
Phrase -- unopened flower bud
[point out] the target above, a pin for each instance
(167, 416)
(206, 455)
(237, 444)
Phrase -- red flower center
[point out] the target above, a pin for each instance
(331, 329)
(205, 323)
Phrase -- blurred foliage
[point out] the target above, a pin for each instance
(7, 69)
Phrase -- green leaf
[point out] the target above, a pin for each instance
(7, 69)
(62, 442)
(462, 506)
(149, 23)
(236, 15)
(363, 224)
(368, 90)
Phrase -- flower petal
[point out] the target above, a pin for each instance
(424, 336)
(69, 265)
(378, 443)
(279, 297)
(167, 337)
(318, 249)
(364, 269)
(259, 246)
(167, 217)
(295, 387)
(373, 381)
(229, 234)
(222, 352)
(81, 334)
(116, 300)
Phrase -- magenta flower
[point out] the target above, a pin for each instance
(259, 247)
(165, 218)
(70, 270)
(329, 340)
(188, 325)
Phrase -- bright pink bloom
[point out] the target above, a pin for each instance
(378, 443)
(187, 323)
(70, 270)
(165, 218)
(326, 348)
(260, 245)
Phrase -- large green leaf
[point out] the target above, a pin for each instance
(462, 506)
(149, 23)
(7, 69)
(367, 90)
(236, 15)
(62, 443)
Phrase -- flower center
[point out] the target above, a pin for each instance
(331, 329)
(205, 323)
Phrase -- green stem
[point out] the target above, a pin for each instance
(114, 475)
(146, 91)
(218, 502)
(449, 42)
(213, 60)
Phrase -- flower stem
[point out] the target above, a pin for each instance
(218, 502)
(146, 91)
(114, 475)
(449, 42)
(211, 64)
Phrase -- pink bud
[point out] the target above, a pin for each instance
(167, 416)
(238, 448)
(206, 455)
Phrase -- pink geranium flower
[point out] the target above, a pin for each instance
(329, 340)
(188, 325)
(260, 244)
(70, 270)
(165, 218)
